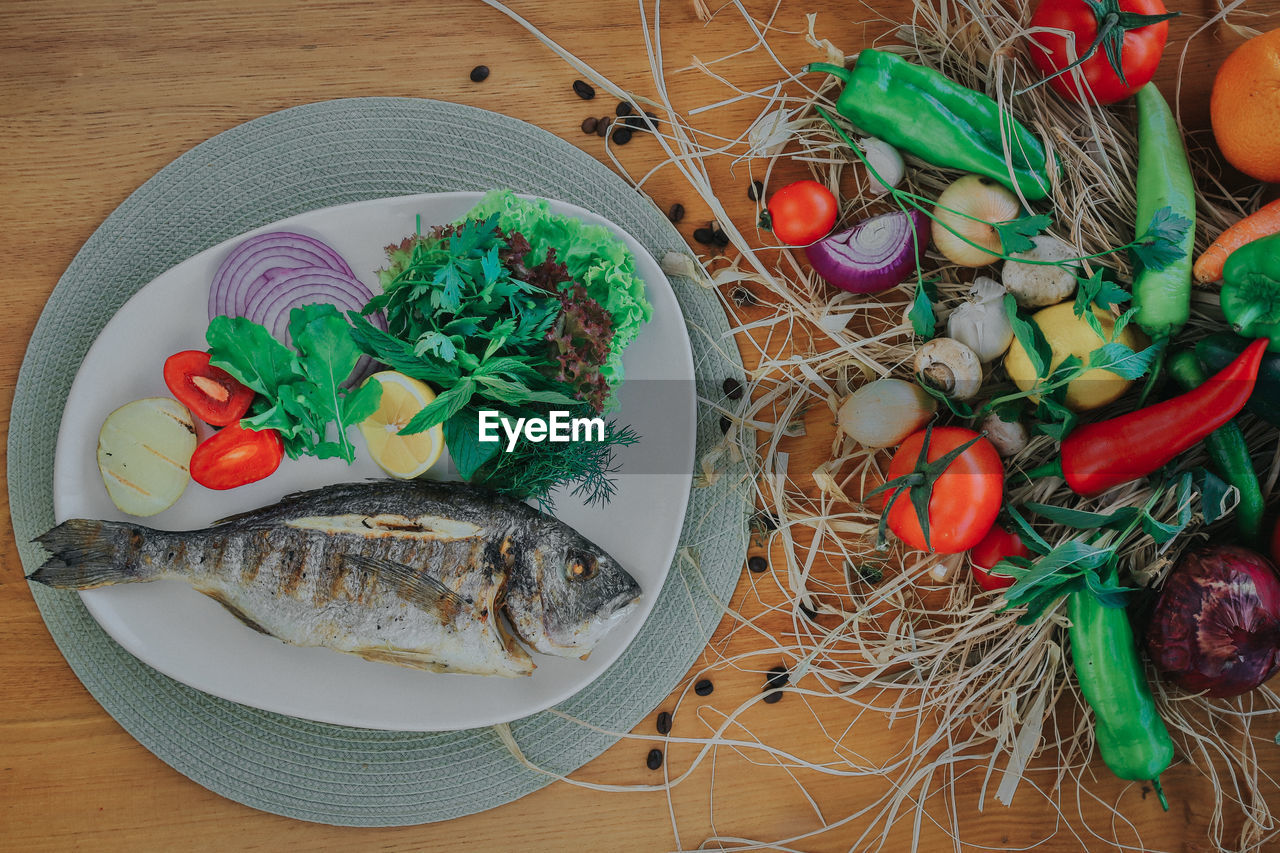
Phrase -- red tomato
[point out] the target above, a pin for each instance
(1139, 56)
(802, 213)
(213, 395)
(233, 456)
(966, 496)
(995, 546)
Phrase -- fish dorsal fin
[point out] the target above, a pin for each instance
(421, 589)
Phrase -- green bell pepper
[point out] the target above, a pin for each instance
(925, 113)
(1250, 293)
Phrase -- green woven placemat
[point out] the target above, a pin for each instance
(297, 160)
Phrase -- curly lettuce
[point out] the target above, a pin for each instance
(595, 257)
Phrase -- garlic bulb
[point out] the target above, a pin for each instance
(955, 234)
(885, 162)
(949, 366)
(981, 323)
(1008, 437)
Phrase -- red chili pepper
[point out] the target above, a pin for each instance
(233, 456)
(1100, 455)
(213, 395)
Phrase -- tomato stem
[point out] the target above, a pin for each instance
(1112, 25)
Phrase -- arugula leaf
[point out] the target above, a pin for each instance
(1159, 245)
(1015, 234)
(302, 390)
(1030, 336)
(249, 353)
(923, 320)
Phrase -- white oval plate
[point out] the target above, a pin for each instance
(189, 637)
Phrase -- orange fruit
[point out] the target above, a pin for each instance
(1245, 107)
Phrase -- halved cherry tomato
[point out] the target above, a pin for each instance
(1140, 45)
(965, 498)
(234, 456)
(802, 213)
(994, 547)
(213, 395)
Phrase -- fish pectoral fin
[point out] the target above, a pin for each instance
(422, 589)
(236, 611)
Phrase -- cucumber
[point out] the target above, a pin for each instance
(1219, 349)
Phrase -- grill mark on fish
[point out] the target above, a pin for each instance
(430, 527)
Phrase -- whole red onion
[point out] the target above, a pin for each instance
(1216, 625)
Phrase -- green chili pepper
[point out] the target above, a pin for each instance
(1229, 454)
(1131, 737)
(1250, 293)
(1164, 188)
(925, 113)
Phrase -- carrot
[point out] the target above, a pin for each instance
(1261, 223)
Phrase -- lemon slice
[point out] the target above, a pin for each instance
(403, 456)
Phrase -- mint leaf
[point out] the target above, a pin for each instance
(1030, 336)
(1015, 234)
(1123, 361)
(442, 408)
(958, 408)
(921, 314)
(1083, 520)
(462, 437)
(1160, 245)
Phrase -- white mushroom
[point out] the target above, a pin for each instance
(1040, 285)
(950, 367)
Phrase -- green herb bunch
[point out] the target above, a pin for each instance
(471, 311)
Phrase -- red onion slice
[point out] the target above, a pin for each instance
(875, 254)
(273, 303)
(266, 277)
(254, 263)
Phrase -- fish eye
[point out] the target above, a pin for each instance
(580, 566)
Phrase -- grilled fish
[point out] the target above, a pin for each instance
(409, 572)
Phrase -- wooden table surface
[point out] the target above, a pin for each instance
(96, 96)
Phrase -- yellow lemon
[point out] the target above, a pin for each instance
(403, 456)
(1067, 335)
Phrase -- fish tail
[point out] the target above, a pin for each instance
(89, 554)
